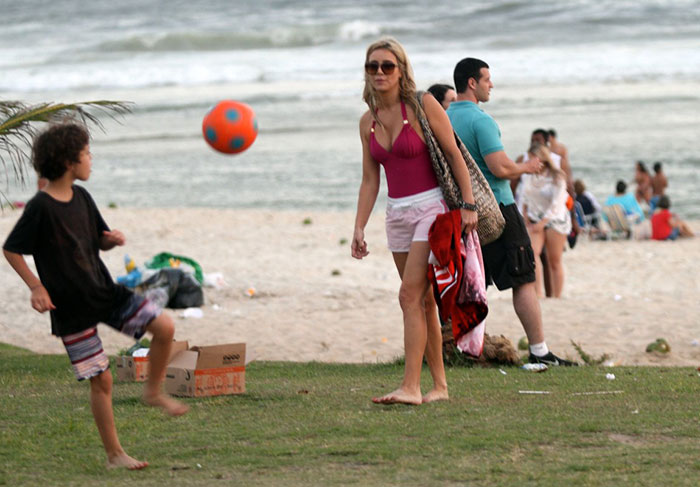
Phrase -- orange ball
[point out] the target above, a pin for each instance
(230, 127)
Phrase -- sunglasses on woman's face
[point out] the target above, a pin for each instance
(372, 67)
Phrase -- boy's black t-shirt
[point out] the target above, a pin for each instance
(64, 238)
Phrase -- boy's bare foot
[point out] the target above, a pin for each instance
(166, 403)
(125, 461)
(399, 396)
(436, 395)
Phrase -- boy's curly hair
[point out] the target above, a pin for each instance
(57, 147)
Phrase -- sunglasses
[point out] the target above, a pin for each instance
(372, 67)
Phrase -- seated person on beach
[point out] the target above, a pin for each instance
(589, 203)
(627, 201)
(444, 94)
(666, 225)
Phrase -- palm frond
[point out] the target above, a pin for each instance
(18, 127)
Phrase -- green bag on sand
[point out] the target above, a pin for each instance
(166, 259)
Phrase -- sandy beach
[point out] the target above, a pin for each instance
(312, 301)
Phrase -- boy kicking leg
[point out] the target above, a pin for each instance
(89, 361)
(163, 330)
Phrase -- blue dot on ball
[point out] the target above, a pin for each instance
(232, 115)
(237, 142)
(211, 134)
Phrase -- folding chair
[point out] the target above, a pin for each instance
(617, 220)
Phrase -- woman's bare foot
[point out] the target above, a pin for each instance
(399, 396)
(166, 403)
(436, 395)
(125, 461)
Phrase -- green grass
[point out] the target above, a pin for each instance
(313, 424)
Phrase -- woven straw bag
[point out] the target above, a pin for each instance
(491, 221)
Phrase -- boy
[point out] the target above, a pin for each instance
(62, 228)
(666, 225)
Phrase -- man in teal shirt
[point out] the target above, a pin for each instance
(509, 261)
(627, 201)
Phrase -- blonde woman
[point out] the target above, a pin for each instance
(391, 137)
(547, 218)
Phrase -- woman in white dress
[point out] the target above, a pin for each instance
(547, 218)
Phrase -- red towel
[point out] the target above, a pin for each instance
(460, 292)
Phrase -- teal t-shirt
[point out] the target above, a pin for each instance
(481, 135)
(628, 203)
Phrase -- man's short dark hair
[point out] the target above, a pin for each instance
(621, 187)
(438, 90)
(467, 68)
(552, 133)
(657, 167)
(664, 202)
(543, 133)
(58, 146)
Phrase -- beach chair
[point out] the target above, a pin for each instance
(617, 220)
(580, 215)
(586, 222)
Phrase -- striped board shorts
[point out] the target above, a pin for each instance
(84, 348)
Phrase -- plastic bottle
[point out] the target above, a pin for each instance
(129, 263)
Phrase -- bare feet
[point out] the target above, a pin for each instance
(166, 403)
(124, 460)
(436, 395)
(399, 396)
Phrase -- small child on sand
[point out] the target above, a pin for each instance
(666, 225)
(64, 231)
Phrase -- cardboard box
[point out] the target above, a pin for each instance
(136, 368)
(207, 371)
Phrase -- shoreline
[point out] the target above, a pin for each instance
(313, 301)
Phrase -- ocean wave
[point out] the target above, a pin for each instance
(282, 37)
(266, 100)
(195, 133)
(357, 30)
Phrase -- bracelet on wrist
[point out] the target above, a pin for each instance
(468, 206)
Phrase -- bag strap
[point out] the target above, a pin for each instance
(425, 123)
(419, 97)
(491, 220)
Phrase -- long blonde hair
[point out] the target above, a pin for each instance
(407, 85)
(545, 155)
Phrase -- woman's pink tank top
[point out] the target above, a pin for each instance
(407, 164)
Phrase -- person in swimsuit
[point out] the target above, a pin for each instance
(560, 150)
(659, 183)
(643, 179)
(391, 137)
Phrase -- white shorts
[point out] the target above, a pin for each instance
(409, 219)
